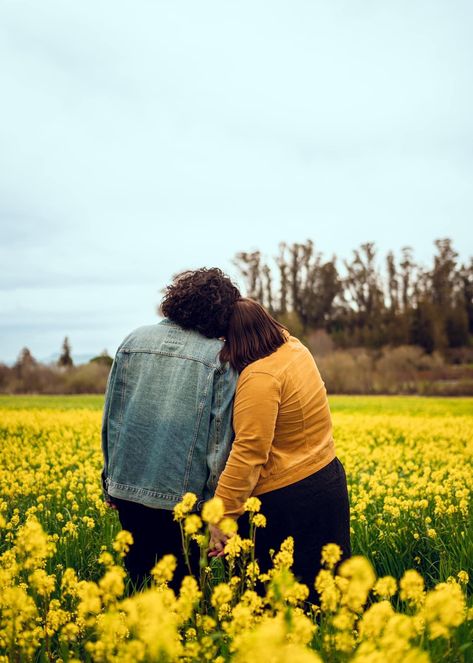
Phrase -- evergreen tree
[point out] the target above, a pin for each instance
(25, 363)
(65, 359)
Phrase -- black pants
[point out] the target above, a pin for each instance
(314, 511)
(155, 534)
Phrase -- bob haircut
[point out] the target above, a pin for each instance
(251, 335)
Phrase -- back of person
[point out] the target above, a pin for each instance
(283, 450)
(162, 418)
(303, 441)
(167, 421)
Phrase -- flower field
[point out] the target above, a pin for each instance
(406, 595)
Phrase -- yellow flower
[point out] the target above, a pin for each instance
(463, 577)
(213, 511)
(285, 557)
(233, 547)
(259, 520)
(222, 593)
(122, 542)
(163, 571)
(331, 554)
(412, 587)
(33, 546)
(192, 524)
(360, 577)
(228, 526)
(374, 620)
(105, 558)
(444, 609)
(185, 506)
(252, 571)
(385, 587)
(328, 591)
(42, 582)
(69, 582)
(252, 504)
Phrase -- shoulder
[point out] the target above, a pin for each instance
(278, 361)
(257, 381)
(142, 336)
(167, 337)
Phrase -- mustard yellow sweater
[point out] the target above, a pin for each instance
(283, 427)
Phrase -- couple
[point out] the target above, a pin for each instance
(218, 398)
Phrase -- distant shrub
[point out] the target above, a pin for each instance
(86, 379)
(103, 359)
(42, 379)
(347, 372)
(397, 369)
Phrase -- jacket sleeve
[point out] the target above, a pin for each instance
(256, 409)
(220, 430)
(108, 398)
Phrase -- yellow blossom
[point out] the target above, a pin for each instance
(385, 587)
(192, 524)
(331, 554)
(412, 587)
(444, 609)
(185, 506)
(252, 504)
(122, 542)
(163, 571)
(259, 520)
(213, 511)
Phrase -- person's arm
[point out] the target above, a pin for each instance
(108, 398)
(220, 429)
(256, 408)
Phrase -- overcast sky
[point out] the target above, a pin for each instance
(141, 138)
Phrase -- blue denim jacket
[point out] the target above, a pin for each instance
(166, 426)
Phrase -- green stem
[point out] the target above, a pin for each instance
(185, 548)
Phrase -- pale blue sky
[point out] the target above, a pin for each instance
(140, 138)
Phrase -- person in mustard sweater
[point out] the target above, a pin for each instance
(283, 451)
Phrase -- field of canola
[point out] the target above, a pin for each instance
(405, 596)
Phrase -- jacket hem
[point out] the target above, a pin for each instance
(144, 496)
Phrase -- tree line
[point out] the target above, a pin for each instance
(360, 303)
(28, 375)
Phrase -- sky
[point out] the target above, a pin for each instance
(138, 139)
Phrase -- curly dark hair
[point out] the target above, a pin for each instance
(201, 300)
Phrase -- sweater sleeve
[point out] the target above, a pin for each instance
(255, 411)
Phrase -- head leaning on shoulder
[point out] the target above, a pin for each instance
(252, 334)
(201, 300)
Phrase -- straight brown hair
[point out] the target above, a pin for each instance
(252, 334)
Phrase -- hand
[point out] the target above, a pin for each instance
(217, 541)
(110, 504)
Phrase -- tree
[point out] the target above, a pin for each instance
(466, 292)
(103, 359)
(25, 363)
(405, 303)
(456, 327)
(65, 359)
(393, 283)
(444, 275)
(407, 274)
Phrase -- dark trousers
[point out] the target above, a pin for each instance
(314, 511)
(155, 534)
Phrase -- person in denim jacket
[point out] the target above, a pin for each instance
(167, 420)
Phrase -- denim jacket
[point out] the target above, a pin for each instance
(166, 426)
